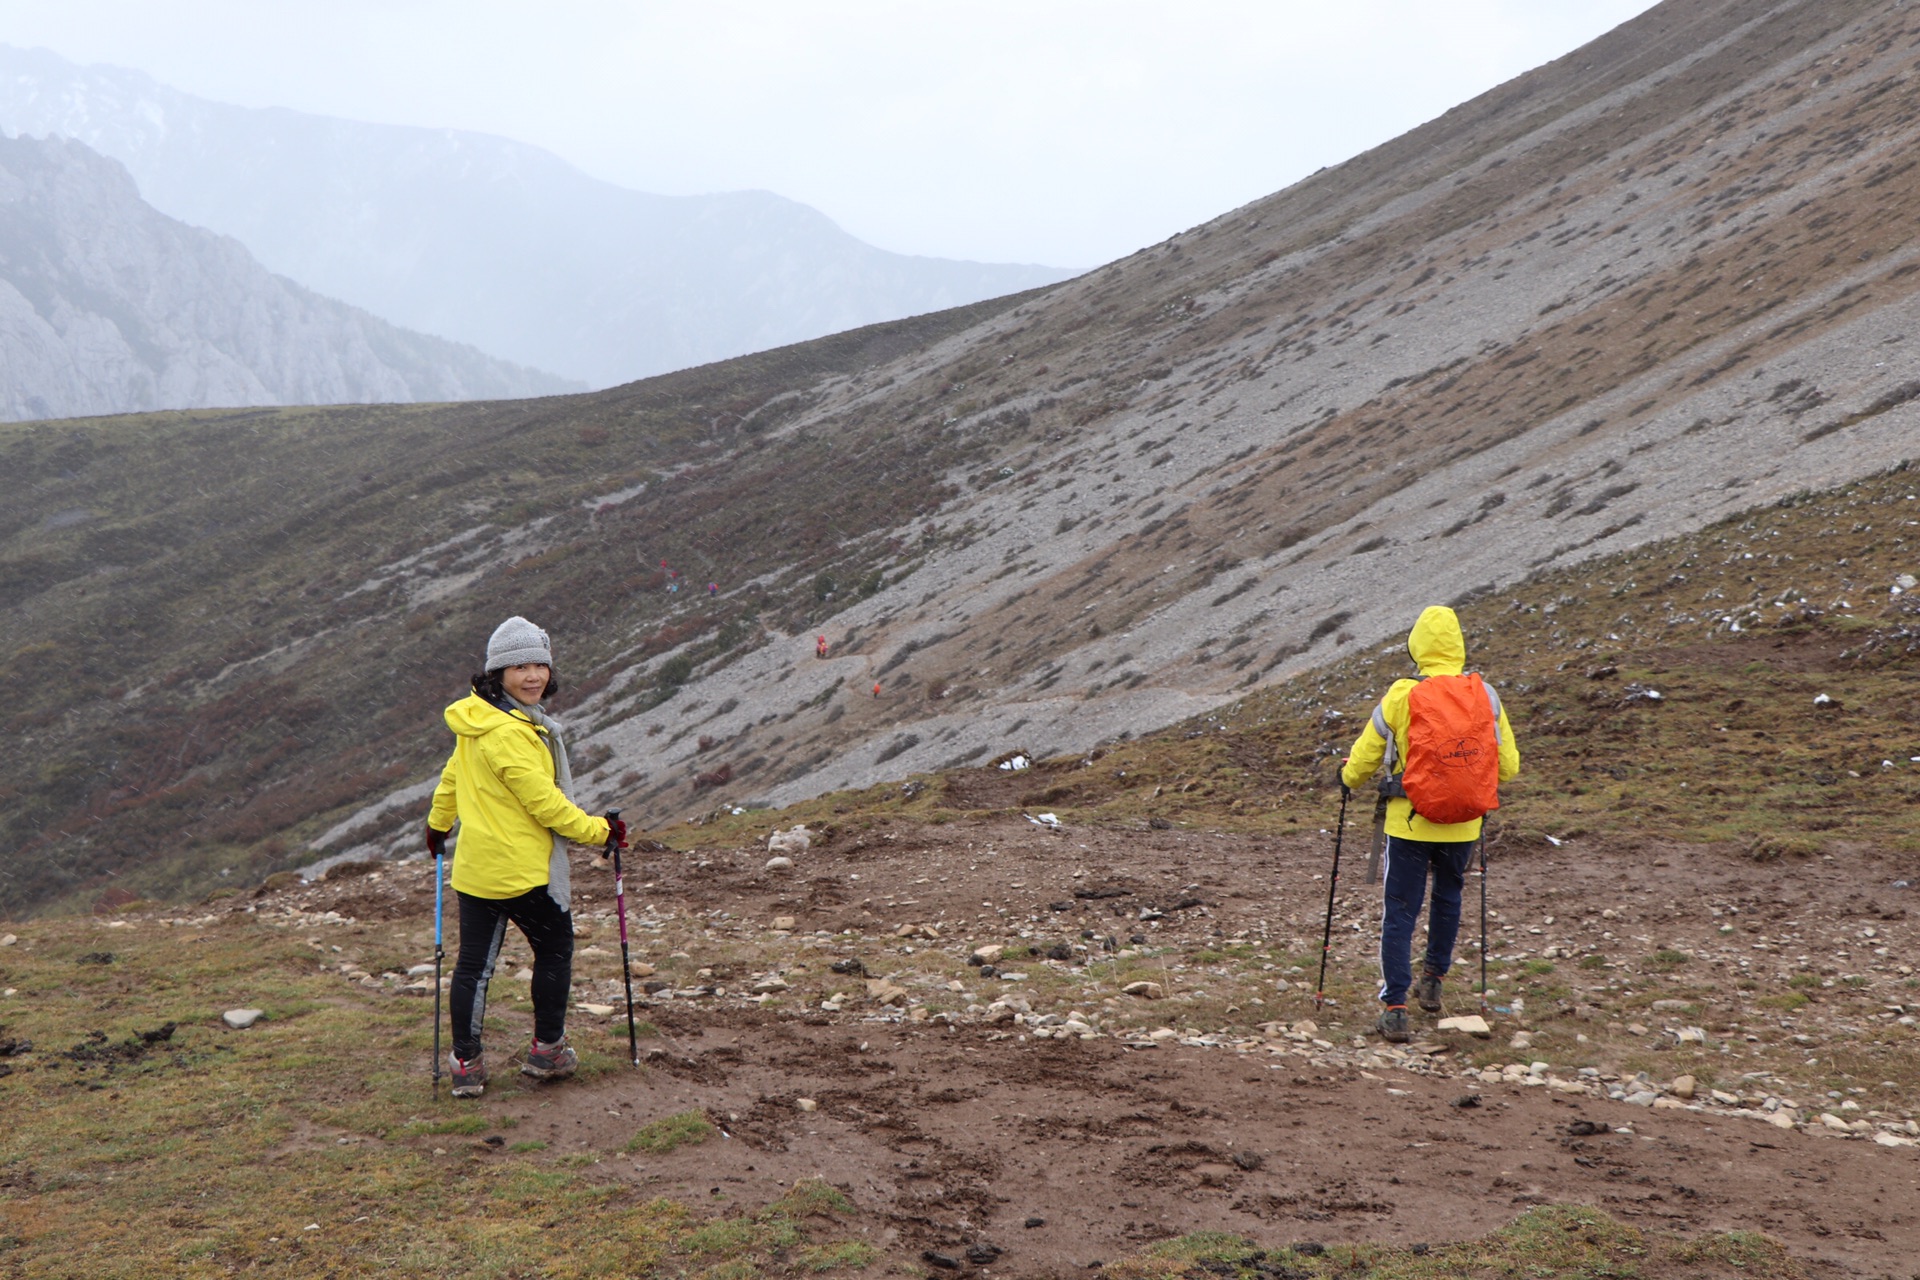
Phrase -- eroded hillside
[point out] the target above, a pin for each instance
(1663, 279)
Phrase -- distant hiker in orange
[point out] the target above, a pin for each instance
(876, 688)
(820, 646)
(1445, 746)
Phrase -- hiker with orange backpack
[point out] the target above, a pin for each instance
(1442, 746)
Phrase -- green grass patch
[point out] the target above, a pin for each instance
(478, 1122)
(669, 1133)
(1556, 1242)
(202, 1155)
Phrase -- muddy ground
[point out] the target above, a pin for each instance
(955, 1117)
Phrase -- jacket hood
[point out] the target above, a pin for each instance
(1435, 643)
(473, 716)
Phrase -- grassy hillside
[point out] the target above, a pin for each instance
(1610, 302)
(229, 626)
(1740, 630)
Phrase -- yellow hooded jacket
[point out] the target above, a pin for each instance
(499, 784)
(1439, 649)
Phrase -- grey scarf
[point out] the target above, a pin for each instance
(559, 874)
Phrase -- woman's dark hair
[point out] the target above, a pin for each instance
(487, 684)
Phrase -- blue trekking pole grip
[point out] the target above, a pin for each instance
(439, 952)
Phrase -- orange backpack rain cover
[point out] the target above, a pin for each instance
(1453, 750)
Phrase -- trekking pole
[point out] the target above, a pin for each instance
(439, 890)
(1333, 880)
(626, 964)
(1483, 923)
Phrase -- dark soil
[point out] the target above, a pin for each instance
(952, 1136)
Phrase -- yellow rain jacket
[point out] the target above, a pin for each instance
(1438, 649)
(499, 784)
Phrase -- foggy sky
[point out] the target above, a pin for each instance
(1068, 132)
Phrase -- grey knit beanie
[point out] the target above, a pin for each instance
(516, 641)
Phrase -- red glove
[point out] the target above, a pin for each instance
(436, 843)
(616, 832)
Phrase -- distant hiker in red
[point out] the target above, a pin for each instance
(820, 646)
(1443, 746)
(876, 688)
(713, 589)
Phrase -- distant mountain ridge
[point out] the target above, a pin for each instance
(488, 241)
(109, 306)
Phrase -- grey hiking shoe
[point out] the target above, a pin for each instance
(1426, 992)
(1393, 1025)
(550, 1061)
(469, 1075)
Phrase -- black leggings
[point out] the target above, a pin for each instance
(483, 927)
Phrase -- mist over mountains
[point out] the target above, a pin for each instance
(491, 242)
(109, 306)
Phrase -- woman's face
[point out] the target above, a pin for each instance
(526, 682)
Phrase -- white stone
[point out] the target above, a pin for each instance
(881, 991)
(779, 864)
(1471, 1023)
(988, 954)
(793, 840)
(1145, 990)
(241, 1019)
(420, 970)
(8, 941)
(786, 923)
(597, 1010)
(769, 986)
(1691, 1035)
(1781, 1119)
(806, 1104)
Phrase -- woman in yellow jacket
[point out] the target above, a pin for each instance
(506, 784)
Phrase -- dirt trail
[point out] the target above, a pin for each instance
(950, 1139)
(957, 1102)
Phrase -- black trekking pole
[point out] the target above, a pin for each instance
(1333, 880)
(620, 906)
(439, 952)
(1483, 922)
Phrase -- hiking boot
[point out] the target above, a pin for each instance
(469, 1075)
(1427, 992)
(550, 1061)
(1393, 1025)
